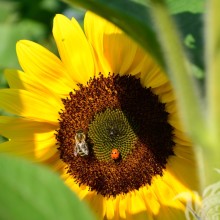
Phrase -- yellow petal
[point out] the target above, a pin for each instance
(172, 182)
(39, 85)
(167, 97)
(27, 104)
(174, 120)
(38, 61)
(57, 165)
(74, 50)
(115, 51)
(164, 88)
(140, 216)
(164, 192)
(181, 141)
(136, 203)
(153, 78)
(169, 213)
(150, 199)
(109, 209)
(122, 206)
(143, 63)
(22, 129)
(182, 169)
(38, 151)
(97, 203)
(171, 107)
(94, 33)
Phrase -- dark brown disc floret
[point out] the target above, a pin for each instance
(125, 129)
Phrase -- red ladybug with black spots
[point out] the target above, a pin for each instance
(115, 154)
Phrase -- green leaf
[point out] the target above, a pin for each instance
(132, 17)
(180, 73)
(11, 33)
(194, 6)
(175, 6)
(212, 61)
(8, 11)
(2, 139)
(191, 27)
(28, 191)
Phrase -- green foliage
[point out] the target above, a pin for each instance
(193, 6)
(175, 6)
(28, 191)
(23, 20)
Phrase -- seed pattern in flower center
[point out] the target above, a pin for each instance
(111, 129)
(115, 113)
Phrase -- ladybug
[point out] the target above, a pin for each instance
(115, 154)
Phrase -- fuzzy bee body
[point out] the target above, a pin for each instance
(81, 147)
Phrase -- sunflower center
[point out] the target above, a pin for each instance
(111, 130)
(114, 135)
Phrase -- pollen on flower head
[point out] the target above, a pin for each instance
(115, 112)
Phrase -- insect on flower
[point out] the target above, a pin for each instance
(115, 154)
(81, 147)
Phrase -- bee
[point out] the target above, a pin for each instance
(81, 146)
(115, 154)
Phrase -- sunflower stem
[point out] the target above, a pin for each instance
(212, 34)
(180, 73)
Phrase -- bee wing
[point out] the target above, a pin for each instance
(85, 148)
(76, 149)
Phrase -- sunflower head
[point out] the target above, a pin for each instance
(120, 119)
(104, 116)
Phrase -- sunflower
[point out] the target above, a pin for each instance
(104, 117)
